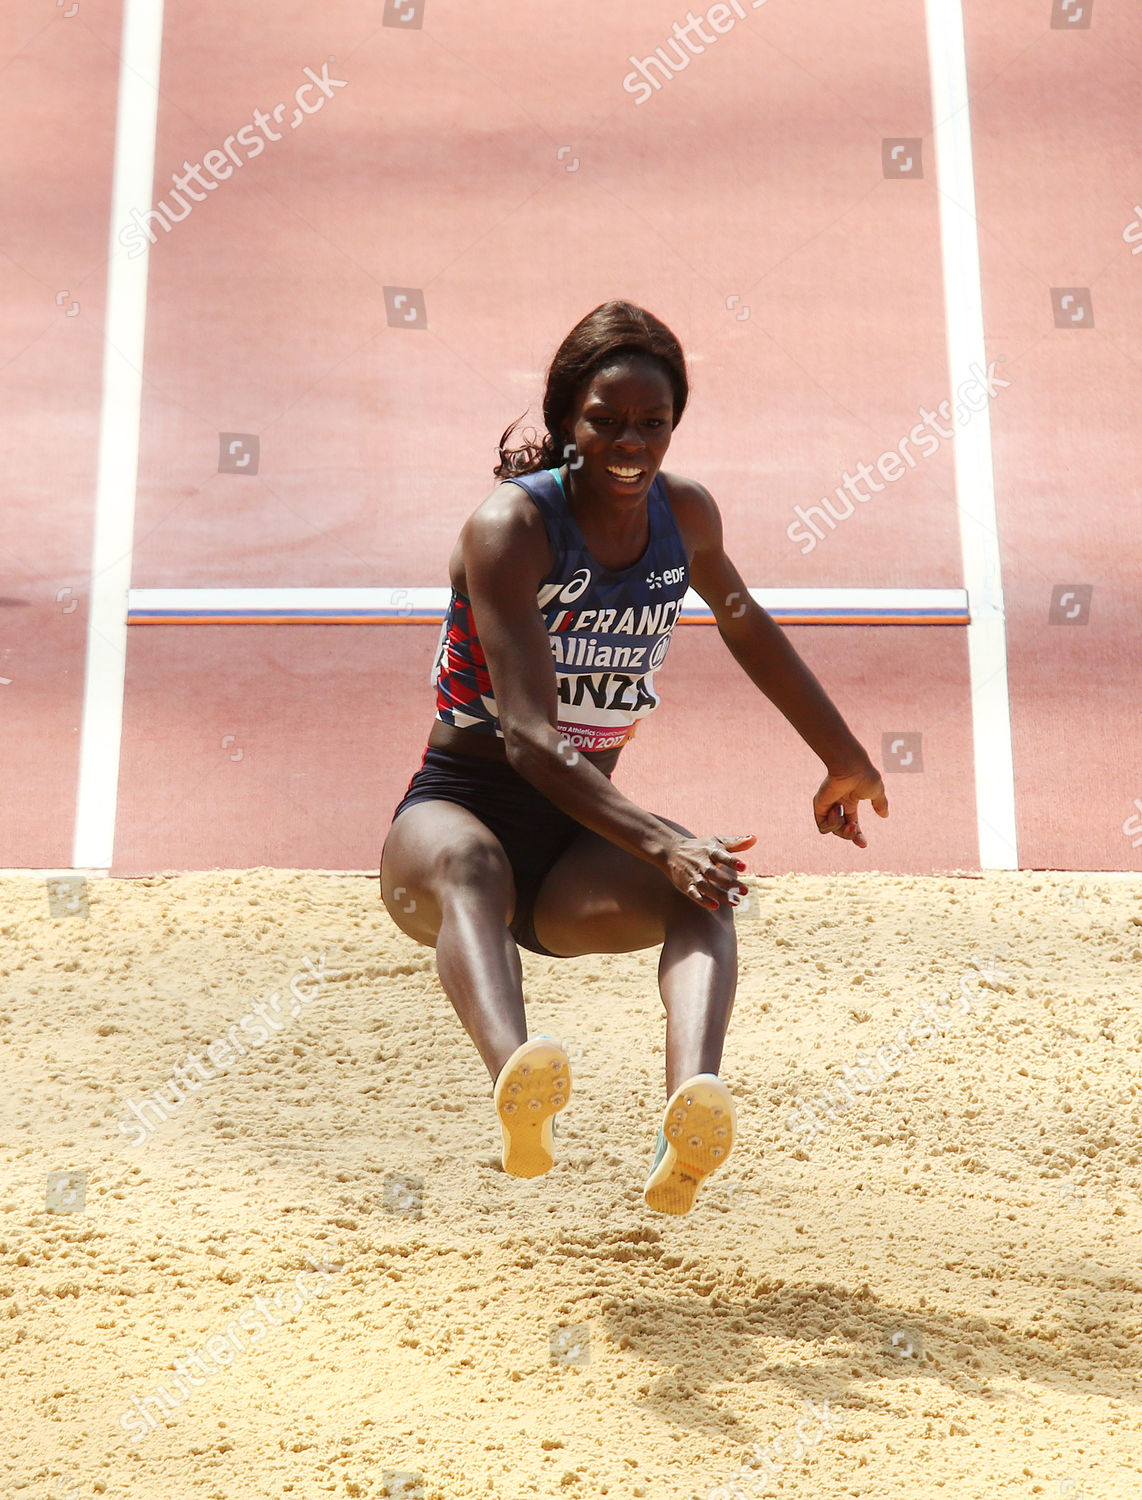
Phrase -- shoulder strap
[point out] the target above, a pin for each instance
(546, 491)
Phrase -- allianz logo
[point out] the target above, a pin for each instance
(589, 652)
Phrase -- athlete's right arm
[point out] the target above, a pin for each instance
(506, 556)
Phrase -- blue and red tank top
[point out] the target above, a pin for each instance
(609, 630)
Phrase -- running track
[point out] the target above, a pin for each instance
(499, 169)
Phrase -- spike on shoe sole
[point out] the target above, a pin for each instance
(533, 1086)
(696, 1137)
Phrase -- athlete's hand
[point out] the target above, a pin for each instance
(706, 870)
(835, 805)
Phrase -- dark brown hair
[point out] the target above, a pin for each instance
(611, 331)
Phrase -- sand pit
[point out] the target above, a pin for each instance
(930, 1290)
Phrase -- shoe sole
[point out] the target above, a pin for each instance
(533, 1086)
(699, 1125)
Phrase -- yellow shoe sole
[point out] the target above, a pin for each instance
(533, 1086)
(696, 1137)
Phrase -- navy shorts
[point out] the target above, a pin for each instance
(533, 831)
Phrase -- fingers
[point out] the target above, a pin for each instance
(708, 871)
(831, 820)
(731, 867)
(842, 820)
(710, 894)
(739, 841)
(719, 881)
(700, 897)
(851, 828)
(723, 858)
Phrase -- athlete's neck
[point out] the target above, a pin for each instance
(613, 529)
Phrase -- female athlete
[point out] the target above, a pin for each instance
(566, 584)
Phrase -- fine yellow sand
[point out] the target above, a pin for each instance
(933, 1292)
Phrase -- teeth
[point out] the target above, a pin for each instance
(626, 473)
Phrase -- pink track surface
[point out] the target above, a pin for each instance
(498, 168)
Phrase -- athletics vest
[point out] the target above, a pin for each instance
(609, 631)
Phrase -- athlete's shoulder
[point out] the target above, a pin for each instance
(509, 508)
(688, 491)
(508, 524)
(694, 507)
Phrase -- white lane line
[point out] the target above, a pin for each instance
(114, 526)
(975, 474)
(294, 606)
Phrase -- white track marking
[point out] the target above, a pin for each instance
(132, 186)
(415, 606)
(975, 475)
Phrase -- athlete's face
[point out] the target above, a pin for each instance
(621, 429)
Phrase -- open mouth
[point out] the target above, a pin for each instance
(626, 474)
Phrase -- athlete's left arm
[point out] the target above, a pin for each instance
(766, 655)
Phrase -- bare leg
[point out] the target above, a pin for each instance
(599, 899)
(479, 967)
(697, 978)
(446, 882)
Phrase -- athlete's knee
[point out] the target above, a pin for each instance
(717, 925)
(472, 866)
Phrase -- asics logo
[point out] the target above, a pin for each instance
(577, 586)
